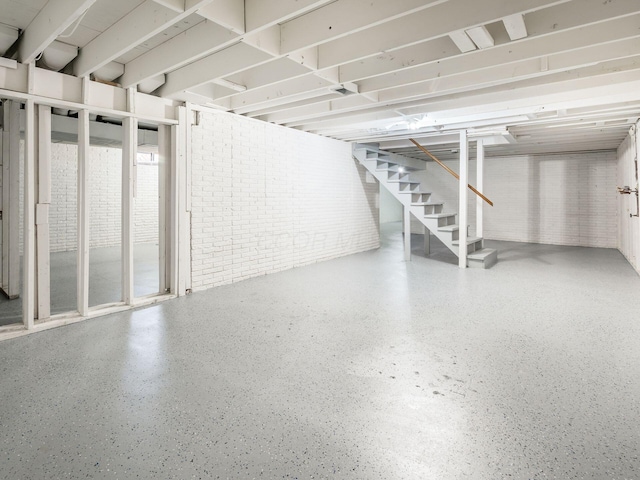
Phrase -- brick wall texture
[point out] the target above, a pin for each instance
(105, 187)
(567, 199)
(266, 198)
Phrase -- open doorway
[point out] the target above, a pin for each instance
(390, 217)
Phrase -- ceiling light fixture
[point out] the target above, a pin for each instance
(231, 85)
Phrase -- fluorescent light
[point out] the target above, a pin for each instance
(515, 26)
(462, 41)
(233, 86)
(481, 37)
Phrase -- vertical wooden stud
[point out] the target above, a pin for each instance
(463, 207)
(480, 187)
(83, 212)
(29, 254)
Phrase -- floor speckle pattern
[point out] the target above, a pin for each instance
(364, 367)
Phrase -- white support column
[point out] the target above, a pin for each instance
(407, 232)
(463, 220)
(29, 253)
(83, 212)
(185, 227)
(184, 216)
(42, 213)
(11, 200)
(480, 187)
(129, 154)
(164, 163)
(174, 229)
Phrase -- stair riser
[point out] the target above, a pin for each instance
(385, 169)
(473, 247)
(431, 209)
(420, 197)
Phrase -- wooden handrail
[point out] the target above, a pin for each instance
(471, 187)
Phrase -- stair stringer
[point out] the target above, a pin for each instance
(384, 167)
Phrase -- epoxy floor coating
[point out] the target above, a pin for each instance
(364, 367)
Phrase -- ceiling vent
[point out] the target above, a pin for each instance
(345, 88)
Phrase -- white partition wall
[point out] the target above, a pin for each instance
(64, 213)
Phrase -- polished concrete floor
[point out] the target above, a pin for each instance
(364, 367)
(105, 280)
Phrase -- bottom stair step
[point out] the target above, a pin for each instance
(470, 241)
(483, 258)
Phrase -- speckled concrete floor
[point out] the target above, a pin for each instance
(105, 280)
(359, 368)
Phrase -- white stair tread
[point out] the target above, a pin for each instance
(404, 180)
(449, 228)
(426, 204)
(440, 215)
(481, 254)
(417, 193)
(470, 240)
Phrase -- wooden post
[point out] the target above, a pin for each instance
(11, 199)
(42, 213)
(164, 162)
(480, 183)
(463, 207)
(29, 253)
(129, 154)
(407, 232)
(83, 212)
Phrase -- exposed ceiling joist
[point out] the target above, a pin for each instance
(145, 21)
(54, 18)
(203, 39)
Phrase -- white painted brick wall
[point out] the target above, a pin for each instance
(267, 198)
(554, 199)
(105, 187)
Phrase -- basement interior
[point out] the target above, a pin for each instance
(319, 239)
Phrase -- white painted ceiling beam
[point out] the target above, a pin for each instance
(175, 5)
(221, 64)
(260, 13)
(586, 43)
(271, 95)
(511, 73)
(415, 58)
(201, 40)
(442, 81)
(305, 112)
(227, 13)
(565, 92)
(270, 73)
(54, 18)
(435, 22)
(144, 22)
(344, 17)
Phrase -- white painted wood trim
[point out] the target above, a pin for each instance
(11, 200)
(43, 258)
(129, 152)
(29, 250)
(407, 232)
(83, 212)
(164, 162)
(480, 188)
(463, 217)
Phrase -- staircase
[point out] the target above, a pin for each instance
(394, 172)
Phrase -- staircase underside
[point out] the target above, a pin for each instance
(394, 173)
